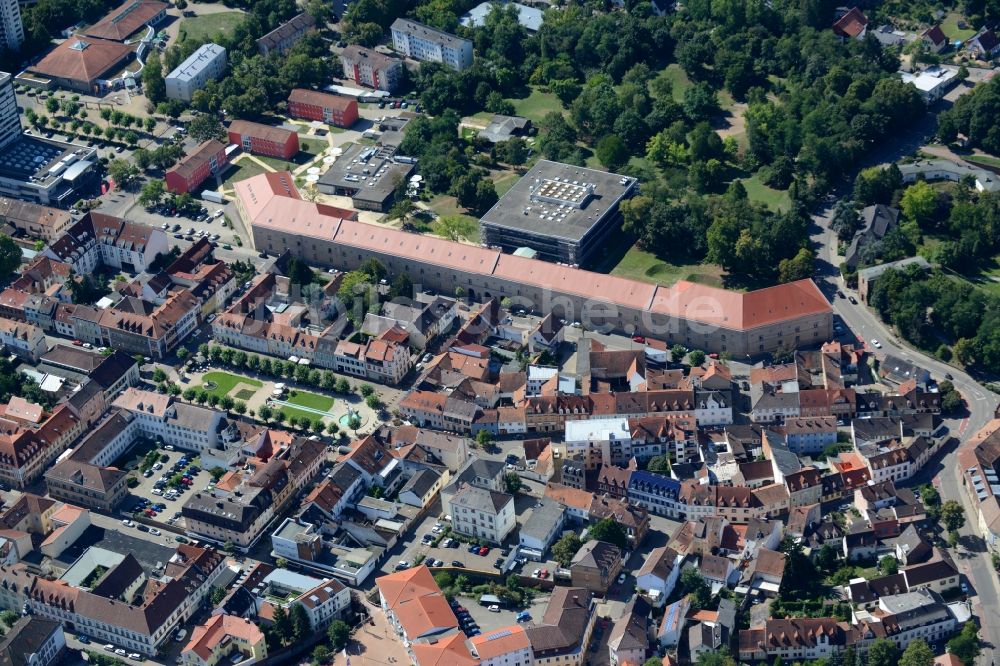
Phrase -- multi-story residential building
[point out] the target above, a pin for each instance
(142, 627)
(596, 566)
(32, 641)
(258, 139)
(656, 493)
(565, 629)
(33, 219)
(368, 67)
(809, 434)
(422, 42)
(25, 340)
(542, 528)
(502, 648)
(286, 35)
(206, 64)
(254, 497)
(324, 107)
(208, 159)
(451, 450)
(383, 361)
(11, 27)
(483, 514)
(793, 638)
(87, 485)
(224, 636)
(98, 239)
(419, 613)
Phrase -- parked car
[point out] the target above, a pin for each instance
(83, 638)
(128, 523)
(494, 608)
(485, 550)
(474, 548)
(109, 647)
(621, 578)
(457, 564)
(155, 532)
(402, 564)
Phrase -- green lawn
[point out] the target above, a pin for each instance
(310, 149)
(985, 160)
(241, 171)
(311, 400)
(645, 266)
(776, 200)
(306, 399)
(949, 26)
(226, 382)
(536, 105)
(678, 77)
(205, 28)
(504, 181)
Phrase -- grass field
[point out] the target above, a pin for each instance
(949, 26)
(243, 169)
(306, 399)
(776, 200)
(310, 149)
(504, 181)
(206, 27)
(678, 78)
(985, 160)
(463, 226)
(536, 105)
(647, 267)
(226, 382)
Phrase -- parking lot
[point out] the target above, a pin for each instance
(477, 618)
(147, 489)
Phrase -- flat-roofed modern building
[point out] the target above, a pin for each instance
(35, 169)
(785, 316)
(422, 42)
(563, 212)
(206, 64)
(367, 174)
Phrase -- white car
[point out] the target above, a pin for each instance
(121, 652)
(157, 491)
(135, 656)
(876, 344)
(154, 531)
(621, 579)
(494, 608)
(128, 523)
(109, 647)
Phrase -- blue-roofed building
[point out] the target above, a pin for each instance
(656, 493)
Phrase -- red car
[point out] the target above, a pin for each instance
(187, 482)
(149, 513)
(484, 550)
(638, 338)
(77, 343)
(544, 573)
(713, 355)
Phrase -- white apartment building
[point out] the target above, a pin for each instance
(422, 42)
(713, 408)
(481, 513)
(11, 27)
(10, 119)
(185, 426)
(25, 340)
(206, 64)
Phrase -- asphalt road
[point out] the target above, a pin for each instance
(863, 325)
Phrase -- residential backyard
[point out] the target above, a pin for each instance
(951, 30)
(310, 148)
(535, 106)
